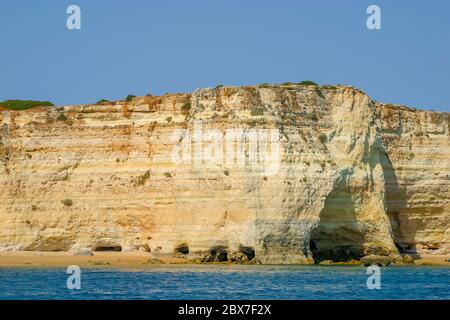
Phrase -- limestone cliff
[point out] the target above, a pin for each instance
(355, 177)
(417, 174)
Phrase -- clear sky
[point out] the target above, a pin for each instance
(137, 47)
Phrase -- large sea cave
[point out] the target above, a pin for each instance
(336, 238)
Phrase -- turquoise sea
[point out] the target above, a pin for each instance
(227, 282)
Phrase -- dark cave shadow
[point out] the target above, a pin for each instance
(336, 238)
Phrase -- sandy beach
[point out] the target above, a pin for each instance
(41, 259)
(98, 259)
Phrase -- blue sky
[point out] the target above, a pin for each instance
(137, 47)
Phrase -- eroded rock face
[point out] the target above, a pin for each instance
(104, 177)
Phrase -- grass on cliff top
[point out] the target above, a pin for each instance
(308, 83)
(24, 104)
(303, 83)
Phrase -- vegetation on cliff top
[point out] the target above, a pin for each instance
(130, 97)
(303, 83)
(307, 83)
(24, 104)
(103, 101)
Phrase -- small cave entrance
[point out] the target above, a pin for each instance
(248, 251)
(108, 249)
(182, 249)
(219, 253)
(335, 238)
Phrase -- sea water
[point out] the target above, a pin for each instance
(227, 282)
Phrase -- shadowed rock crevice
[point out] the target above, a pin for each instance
(108, 248)
(219, 254)
(395, 201)
(182, 249)
(249, 252)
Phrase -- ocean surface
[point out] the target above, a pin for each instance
(227, 282)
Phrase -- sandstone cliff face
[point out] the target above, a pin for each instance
(417, 173)
(354, 178)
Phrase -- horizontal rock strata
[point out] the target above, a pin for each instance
(354, 177)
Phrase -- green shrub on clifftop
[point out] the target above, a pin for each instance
(307, 83)
(103, 101)
(24, 104)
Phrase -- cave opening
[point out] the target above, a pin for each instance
(219, 253)
(336, 238)
(182, 249)
(248, 251)
(108, 248)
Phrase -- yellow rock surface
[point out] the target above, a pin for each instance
(355, 177)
